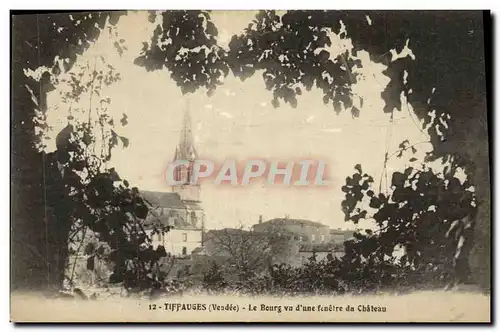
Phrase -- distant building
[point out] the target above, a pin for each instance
(340, 236)
(181, 209)
(304, 231)
(310, 238)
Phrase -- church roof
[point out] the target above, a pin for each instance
(164, 199)
(169, 200)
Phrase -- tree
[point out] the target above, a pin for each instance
(430, 215)
(40, 224)
(247, 252)
(76, 190)
(213, 278)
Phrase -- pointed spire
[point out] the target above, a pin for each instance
(186, 149)
(187, 134)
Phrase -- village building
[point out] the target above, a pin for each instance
(181, 208)
(304, 231)
(309, 238)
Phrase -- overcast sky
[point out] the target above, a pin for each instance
(239, 122)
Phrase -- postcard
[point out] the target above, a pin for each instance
(250, 166)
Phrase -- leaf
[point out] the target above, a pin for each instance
(337, 107)
(398, 179)
(408, 171)
(114, 175)
(63, 138)
(326, 99)
(141, 211)
(413, 159)
(355, 112)
(125, 141)
(358, 168)
(402, 145)
(141, 60)
(375, 202)
(123, 120)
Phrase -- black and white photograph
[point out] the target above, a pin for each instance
(250, 166)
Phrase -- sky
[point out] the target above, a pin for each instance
(239, 122)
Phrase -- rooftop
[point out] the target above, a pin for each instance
(172, 202)
(289, 221)
(169, 200)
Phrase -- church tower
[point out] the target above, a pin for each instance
(185, 150)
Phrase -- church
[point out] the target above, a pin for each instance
(181, 207)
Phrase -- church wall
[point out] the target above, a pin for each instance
(177, 239)
(188, 192)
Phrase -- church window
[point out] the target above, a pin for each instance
(189, 170)
(184, 251)
(178, 174)
(194, 219)
(313, 238)
(184, 237)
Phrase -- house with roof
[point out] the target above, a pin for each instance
(303, 231)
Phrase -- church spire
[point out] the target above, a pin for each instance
(186, 150)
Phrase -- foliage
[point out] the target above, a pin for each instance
(331, 276)
(428, 214)
(246, 253)
(184, 43)
(40, 230)
(213, 279)
(296, 50)
(100, 201)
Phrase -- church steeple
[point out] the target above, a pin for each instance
(186, 150)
